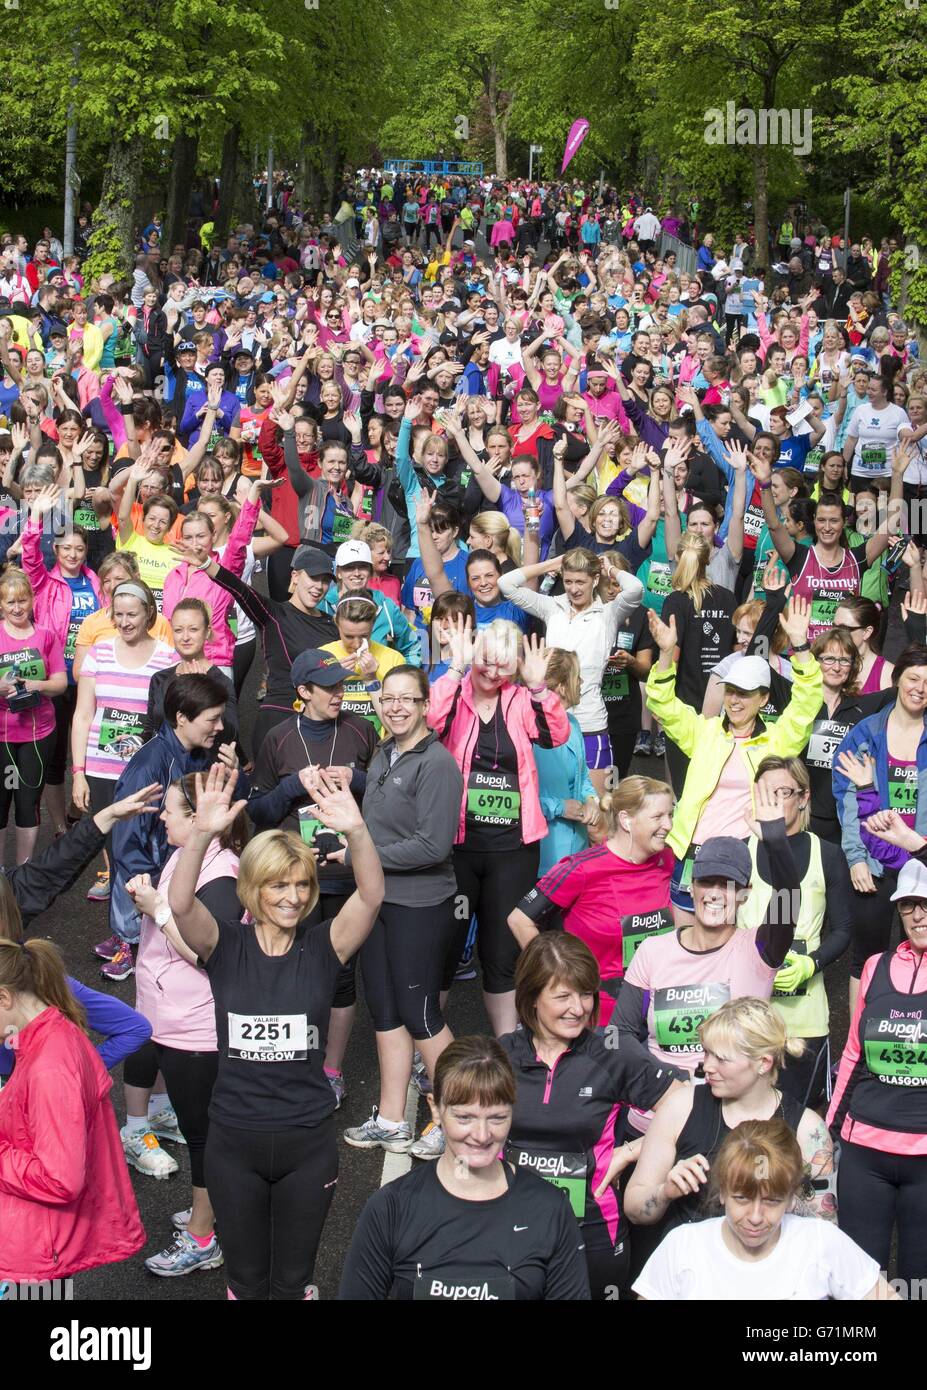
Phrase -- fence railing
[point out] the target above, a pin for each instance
(686, 256)
(434, 166)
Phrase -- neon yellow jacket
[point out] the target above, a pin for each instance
(708, 744)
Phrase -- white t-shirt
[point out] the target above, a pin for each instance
(876, 434)
(916, 472)
(812, 1259)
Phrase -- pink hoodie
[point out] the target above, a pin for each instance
(186, 581)
(52, 591)
(453, 714)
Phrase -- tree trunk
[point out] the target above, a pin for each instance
(310, 186)
(228, 179)
(761, 206)
(112, 243)
(499, 119)
(183, 169)
(914, 261)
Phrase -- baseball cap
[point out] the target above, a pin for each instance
(187, 347)
(241, 351)
(266, 297)
(312, 560)
(747, 673)
(912, 881)
(314, 667)
(353, 553)
(724, 857)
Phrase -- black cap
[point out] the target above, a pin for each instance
(186, 347)
(315, 667)
(723, 856)
(312, 560)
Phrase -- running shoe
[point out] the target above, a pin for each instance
(185, 1255)
(372, 1135)
(108, 948)
(420, 1078)
(338, 1086)
(122, 964)
(99, 893)
(659, 745)
(165, 1125)
(181, 1219)
(643, 748)
(430, 1144)
(466, 970)
(143, 1152)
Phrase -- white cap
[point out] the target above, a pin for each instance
(353, 553)
(748, 673)
(352, 283)
(912, 881)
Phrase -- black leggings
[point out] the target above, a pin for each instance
(608, 1261)
(328, 906)
(491, 885)
(271, 1191)
(877, 1191)
(189, 1078)
(64, 713)
(873, 915)
(622, 737)
(402, 962)
(241, 663)
(807, 1077)
(23, 774)
(279, 572)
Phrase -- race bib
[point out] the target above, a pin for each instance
(120, 733)
(25, 665)
(680, 1010)
(87, 518)
(638, 926)
(826, 738)
(615, 685)
(309, 826)
(493, 798)
(902, 789)
(268, 1037)
(357, 701)
(660, 579)
(342, 527)
(562, 1170)
(422, 597)
(754, 521)
(461, 1285)
(895, 1050)
(822, 612)
(872, 458)
(813, 462)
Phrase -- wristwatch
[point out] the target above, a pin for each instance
(162, 915)
(801, 647)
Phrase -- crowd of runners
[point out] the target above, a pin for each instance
(498, 498)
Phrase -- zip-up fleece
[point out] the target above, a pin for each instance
(871, 736)
(529, 719)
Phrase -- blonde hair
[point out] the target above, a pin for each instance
(690, 576)
(495, 525)
(14, 582)
(629, 796)
(624, 516)
(754, 1029)
(581, 561)
(373, 534)
(272, 856)
(563, 671)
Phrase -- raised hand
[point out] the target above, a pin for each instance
(533, 667)
(795, 619)
(664, 634)
(859, 771)
(215, 808)
(766, 808)
(335, 807)
(460, 642)
(738, 457)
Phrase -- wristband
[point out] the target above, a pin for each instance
(764, 486)
(537, 689)
(456, 671)
(801, 647)
(78, 769)
(372, 687)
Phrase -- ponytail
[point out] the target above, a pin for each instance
(35, 967)
(691, 574)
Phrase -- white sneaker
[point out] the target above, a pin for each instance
(430, 1144)
(181, 1219)
(143, 1152)
(164, 1125)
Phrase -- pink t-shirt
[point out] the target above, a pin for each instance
(599, 892)
(35, 657)
(121, 704)
(685, 987)
(725, 811)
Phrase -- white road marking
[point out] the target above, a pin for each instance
(395, 1165)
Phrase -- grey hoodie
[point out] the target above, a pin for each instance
(412, 809)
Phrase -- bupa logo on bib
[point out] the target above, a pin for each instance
(478, 1293)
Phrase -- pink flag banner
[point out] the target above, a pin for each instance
(578, 132)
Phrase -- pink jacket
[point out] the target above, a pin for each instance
(768, 340)
(51, 589)
(66, 1201)
(453, 714)
(174, 996)
(185, 581)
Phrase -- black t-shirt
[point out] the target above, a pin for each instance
(271, 1025)
(704, 638)
(620, 691)
(629, 547)
(493, 817)
(415, 1240)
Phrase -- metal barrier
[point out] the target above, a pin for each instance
(686, 256)
(434, 166)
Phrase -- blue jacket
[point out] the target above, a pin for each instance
(871, 736)
(562, 776)
(124, 1030)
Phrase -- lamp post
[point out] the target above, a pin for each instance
(532, 151)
